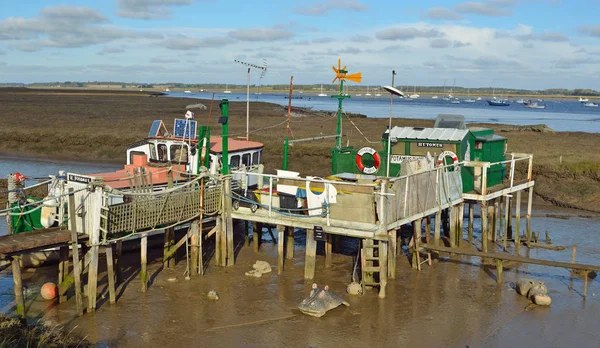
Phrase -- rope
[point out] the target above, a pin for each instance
(42, 201)
(167, 191)
(358, 129)
(282, 211)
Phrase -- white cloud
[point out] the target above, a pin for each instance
(591, 30)
(110, 50)
(407, 33)
(182, 42)
(481, 8)
(319, 9)
(148, 9)
(261, 34)
(442, 13)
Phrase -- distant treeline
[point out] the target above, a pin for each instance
(317, 87)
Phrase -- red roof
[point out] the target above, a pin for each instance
(234, 144)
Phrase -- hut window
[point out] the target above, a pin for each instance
(152, 151)
(478, 145)
(235, 161)
(255, 158)
(162, 152)
(179, 153)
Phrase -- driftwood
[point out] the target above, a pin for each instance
(544, 246)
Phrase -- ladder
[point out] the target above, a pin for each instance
(417, 250)
(373, 265)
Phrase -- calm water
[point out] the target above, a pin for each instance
(560, 115)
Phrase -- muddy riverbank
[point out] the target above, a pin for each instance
(454, 303)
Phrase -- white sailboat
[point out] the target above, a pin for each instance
(227, 91)
(583, 100)
(367, 94)
(322, 94)
(414, 95)
(469, 99)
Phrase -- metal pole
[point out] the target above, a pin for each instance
(225, 137)
(389, 139)
(248, 106)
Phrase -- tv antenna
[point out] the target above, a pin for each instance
(262, 74)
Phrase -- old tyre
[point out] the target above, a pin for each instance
(254, 207)
(235, 204)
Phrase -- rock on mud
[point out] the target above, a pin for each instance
(260, 268)
(354, 288)
(535, 290)
(212, 295)
(320, 301)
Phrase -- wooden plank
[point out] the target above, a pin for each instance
(63, 270)
(518, 221)
(528, 216)
(328, 252)
(280, 246)
(144, 262)
(514, 258)
(195, 232)
(383, 258)
(484, 226)
(392, 246)
(18, 286)
(110, 273)
(338, 186)
(290, 243)
(437, 227)
(21, 242)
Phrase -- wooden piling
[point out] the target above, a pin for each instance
(460, 224)
(110, 274)
(218, 233)
(328, 252)
(144, 262)
(471, 216)
(495, 221)
(118, 252)
(229, 223)
(290, 243)
(392, 246)
(585, 283)
(573, 253)
(528, 216)
(499, 271)
(437, 227)
(417, 242)
(63, 271)
(383, 258)
(195, 244)
(311, 254)
(75, 247)
(427, 229)
(200, 250)
(280, 247)
(506, 231)
(453, 231)
(256, 235)
(490, 221)
(96, 201)
(18, 282)
(484, 227)
(518, 222)
(509, 222)
(500, 218)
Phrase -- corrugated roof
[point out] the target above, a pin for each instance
(442, 134)
(234, 144)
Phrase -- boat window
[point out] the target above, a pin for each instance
(246, 159)
(179, 153)
(255, 158)
(152, 151)
(162, 152)
(235, 161)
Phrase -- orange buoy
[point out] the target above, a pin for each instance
(49, 291)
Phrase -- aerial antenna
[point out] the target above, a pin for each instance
(341, 74)
(264, 71)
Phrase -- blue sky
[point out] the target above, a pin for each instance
(532, 44)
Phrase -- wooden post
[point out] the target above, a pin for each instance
(195, 244)
(144, 261)
(392, 246)
(246, 233)
(256, 235)
(18, 281)
(528, 216)
(75, 246)
(490, 221)
(200, 249)
(437, 227)
(460, 223)
(63, 271)
(427, 229)
(111, 273)
(311, 254)
(506, 221)
(218, 233)
(518, 222)
(499, 271)
(484, 226)
(500, 218)
(94, 240)
(585, 283)
(328, 252)
(573, 253)
(495, 222)
(452, 227)
(383, 258)
(280, 246)
(471, 216)
(417, 243)
(118, 253)
(290, 243)
(509, 225)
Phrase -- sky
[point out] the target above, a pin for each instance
(531, 44)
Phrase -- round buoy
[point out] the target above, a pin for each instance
(49, 291)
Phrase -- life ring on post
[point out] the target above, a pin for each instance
(360, 164)
(450, 154)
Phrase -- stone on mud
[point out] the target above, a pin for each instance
(212, 295)
(320, 301)
(354, 288)
(260, 268)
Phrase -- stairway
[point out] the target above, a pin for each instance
(374, 265)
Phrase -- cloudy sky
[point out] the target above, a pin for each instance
(533, 44)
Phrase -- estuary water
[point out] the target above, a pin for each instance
(561, 115)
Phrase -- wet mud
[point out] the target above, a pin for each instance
(454, 303)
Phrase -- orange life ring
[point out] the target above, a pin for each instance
(360, 164)
(445, 154)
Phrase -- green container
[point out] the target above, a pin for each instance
(27, 222)
(490, 147)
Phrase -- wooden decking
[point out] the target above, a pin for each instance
(41, 239)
